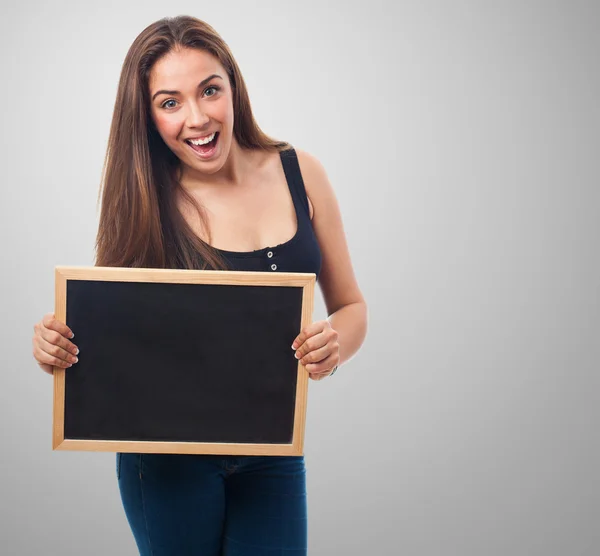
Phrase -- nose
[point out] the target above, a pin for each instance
(196, 116)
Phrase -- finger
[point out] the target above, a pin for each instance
(56, 351)
(309, 331)
(323, 366)
(47, 368)
(44, 358)
(315, 342)
(320, 376)
(50, 322)
(52, 336)
(316, 355)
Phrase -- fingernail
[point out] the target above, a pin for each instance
(72, 335)
(296, 355)
(77, 351)
(294, 346)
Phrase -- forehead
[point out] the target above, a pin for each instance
(184, 67)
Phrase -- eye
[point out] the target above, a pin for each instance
(215, 87)
(163, 105)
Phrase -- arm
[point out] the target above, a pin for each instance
(346, 306)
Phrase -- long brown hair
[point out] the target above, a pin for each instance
(140, 224)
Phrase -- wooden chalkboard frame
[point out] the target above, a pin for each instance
(63, 274)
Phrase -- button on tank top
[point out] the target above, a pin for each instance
(299, 254)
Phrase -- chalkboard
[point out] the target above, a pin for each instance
(182, 361)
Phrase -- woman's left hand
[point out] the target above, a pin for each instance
(318, 349)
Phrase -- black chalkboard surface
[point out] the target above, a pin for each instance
(180, 361)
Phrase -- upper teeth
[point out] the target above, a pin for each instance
(203, 141)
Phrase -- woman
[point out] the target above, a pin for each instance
(190, 181)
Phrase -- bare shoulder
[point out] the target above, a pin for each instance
(319, 190)
(313, 176)
(337, 278)
(308, 161)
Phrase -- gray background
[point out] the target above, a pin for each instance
(462, 139)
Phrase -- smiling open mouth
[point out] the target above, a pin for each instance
(207, 149)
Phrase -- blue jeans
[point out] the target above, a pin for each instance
(204, 505)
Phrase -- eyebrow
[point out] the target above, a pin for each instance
(203, 82)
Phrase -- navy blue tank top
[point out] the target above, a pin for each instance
(301, 253)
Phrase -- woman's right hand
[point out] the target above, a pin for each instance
(52, 346)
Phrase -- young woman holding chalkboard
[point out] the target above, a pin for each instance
(191, 181)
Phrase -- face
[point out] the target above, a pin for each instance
(191, 99)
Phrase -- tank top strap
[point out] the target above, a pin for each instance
(291, 167)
